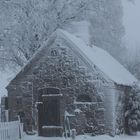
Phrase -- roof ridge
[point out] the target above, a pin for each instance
(120, 75)
(93, 55)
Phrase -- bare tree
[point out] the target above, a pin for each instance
(30, 22)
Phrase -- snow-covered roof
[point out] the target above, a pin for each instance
(104, 61)
(96, 56)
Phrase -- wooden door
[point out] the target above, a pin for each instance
(49, 113)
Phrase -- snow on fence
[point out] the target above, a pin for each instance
(11, 130)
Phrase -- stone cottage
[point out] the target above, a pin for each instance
(70, 85)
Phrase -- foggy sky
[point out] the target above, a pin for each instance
(131, 22)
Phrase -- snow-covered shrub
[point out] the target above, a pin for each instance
(132, 113)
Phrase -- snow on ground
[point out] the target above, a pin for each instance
(86, 137)
(42, 138)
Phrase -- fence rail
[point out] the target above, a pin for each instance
(11, 130)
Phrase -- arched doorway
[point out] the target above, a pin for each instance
(83, 98)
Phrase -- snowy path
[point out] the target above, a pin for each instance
(104, 137)
(41, 138)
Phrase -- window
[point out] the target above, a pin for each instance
(36, 37)
(65, 81)
(54, 53)
(49, 90)
(52, 91)
(83, 98)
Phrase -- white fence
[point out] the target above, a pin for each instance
(11, 130)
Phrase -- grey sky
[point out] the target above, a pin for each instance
(132, 23)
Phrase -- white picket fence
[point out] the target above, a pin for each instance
(11, 130)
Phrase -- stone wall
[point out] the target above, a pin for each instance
(63, 68)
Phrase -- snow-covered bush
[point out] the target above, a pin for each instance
(132, 114)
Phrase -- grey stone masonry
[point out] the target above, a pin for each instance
(81, 84)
